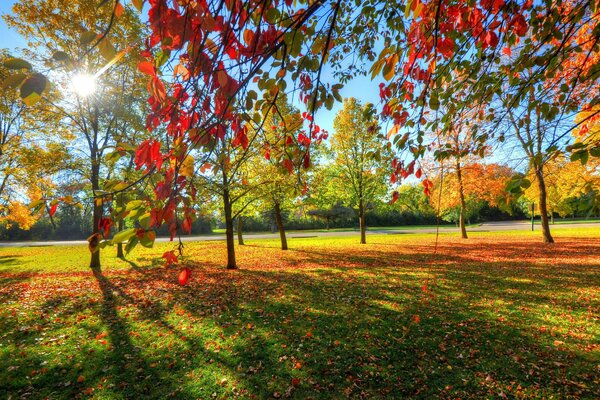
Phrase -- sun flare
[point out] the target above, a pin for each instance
(83, 84)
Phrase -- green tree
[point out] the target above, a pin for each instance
(360, 156)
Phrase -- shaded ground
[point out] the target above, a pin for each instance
(494, 316)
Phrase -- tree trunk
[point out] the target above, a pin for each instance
(96, 213)
(229, 229)
(120, 226)
(239, 231)
(361, 222)
(461, 191)
(539, 174)
(280, 226)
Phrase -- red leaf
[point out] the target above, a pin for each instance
(184, 275)
(187, 224)
(306, 161)
(157, 89)
(394, 197)
(52, 210)
(418, 173)
(170, 258)
(147, 68)
(289, 165)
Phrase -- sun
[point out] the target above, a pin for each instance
(83, 84)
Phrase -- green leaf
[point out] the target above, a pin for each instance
(525, 183)
(17, 63)
(272, 15)
(595, 151)
(132, 205)
(131, 244)
(145, 220)
(13, 81)
(60, 56)
(107, 49)
(434, 102)
(120, 186)
(581, 155)
(32, 88)
(123, 236)
(36, 203)
(87, 37)
(148, 239)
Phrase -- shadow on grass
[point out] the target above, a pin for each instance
(335, 324)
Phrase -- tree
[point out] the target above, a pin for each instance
(568, 182)
(458, 143)
(360, 156)
(279, 184)
(31, 150)
(478, 182)
(217, 49)
(66, 32)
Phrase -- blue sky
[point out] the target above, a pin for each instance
(8, 38)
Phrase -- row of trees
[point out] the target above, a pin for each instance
(461, 80)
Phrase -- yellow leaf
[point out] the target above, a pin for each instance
(187, 167)
(389, 70)
(139, 4)
(393, 131)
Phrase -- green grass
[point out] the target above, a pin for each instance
(499, 315)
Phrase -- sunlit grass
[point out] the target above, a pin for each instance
(499, 314)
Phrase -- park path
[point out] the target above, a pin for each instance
(484, 227)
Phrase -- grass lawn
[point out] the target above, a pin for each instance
(499, 315)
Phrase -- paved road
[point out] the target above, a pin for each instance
(485, 227)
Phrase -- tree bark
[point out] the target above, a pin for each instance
(120, 226)
(461, 191)
(539, 174)
(361, 222)
(96, 213)
(239, 231)
(280, 226)
(231, 264)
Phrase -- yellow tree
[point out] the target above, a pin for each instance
(278, 185)
(566, 181)
(31, 149)
(98, 80)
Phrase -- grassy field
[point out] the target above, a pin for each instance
(496, 316)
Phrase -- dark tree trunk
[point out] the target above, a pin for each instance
(280, 226)
(463, 206)
(362, 222)
(96, 213)
(239, 231)
(231, 264)
(539, 174)
(120, 226)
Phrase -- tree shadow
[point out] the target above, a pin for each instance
(324, 323)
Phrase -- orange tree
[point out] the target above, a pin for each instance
(478, 182)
